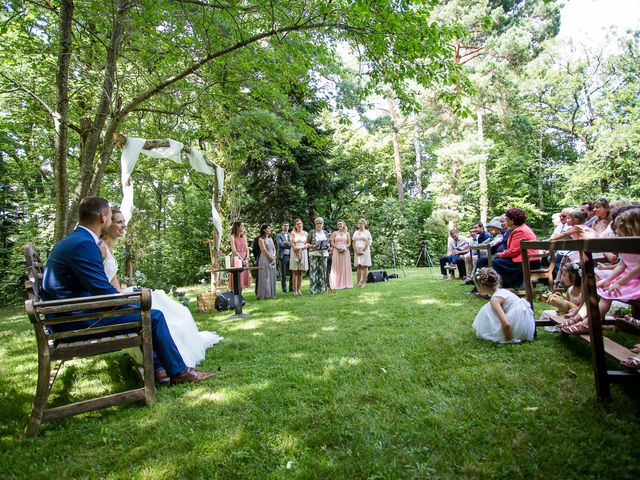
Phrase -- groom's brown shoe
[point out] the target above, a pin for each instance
(191, 375)
(161, 377)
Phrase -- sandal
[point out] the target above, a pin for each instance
(631, 362)
(578, 329)
(571, 321)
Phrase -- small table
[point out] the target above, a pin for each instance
(237, 289)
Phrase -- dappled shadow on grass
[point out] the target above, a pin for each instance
(356, 384)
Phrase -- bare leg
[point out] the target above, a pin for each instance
(365, 274)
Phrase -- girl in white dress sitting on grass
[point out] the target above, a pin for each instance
(506, 318)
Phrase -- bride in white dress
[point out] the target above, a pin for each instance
(191, 343)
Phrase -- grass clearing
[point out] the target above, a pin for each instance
(383, 382)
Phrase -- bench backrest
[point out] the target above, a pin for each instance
(35, 272)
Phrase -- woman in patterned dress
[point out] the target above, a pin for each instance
(318, 254)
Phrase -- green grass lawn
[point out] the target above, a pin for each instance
(383, 382)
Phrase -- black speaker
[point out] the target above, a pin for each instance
(225, 301)
(374, 277)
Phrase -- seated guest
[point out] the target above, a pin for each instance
(494, 227)
(483, 235)
(602, 212)
(456, 246)
(470, 258)
(577, 228)
(508, 263)
(587, 207)
(557, 233)
(75, 269)
(621, 284)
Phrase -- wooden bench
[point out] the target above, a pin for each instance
(600, 345)
(83, 341)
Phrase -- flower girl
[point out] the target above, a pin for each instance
(506, 318)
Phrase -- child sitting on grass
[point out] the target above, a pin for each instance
(506, 318)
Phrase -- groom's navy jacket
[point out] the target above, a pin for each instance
(75, 269)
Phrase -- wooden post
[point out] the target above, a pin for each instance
(603, 391)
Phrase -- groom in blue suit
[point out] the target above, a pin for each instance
(75, 269)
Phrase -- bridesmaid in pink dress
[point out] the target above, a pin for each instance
(341, 260)
(239, 254)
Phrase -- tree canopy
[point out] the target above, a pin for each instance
(460, 108)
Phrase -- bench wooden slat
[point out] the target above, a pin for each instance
(90, 348)
(88, 316)
(95, 330)
(89, 305)
(93, 404)
(612, 348)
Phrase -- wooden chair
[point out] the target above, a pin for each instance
(486, 248)
(84, 342)
(544, 273)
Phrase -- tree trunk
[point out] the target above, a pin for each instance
(396, 148)
(482, 171)
(90, 174)
(540, 176)
(418, 148)
(61, 116)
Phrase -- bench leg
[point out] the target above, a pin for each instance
(42, 394)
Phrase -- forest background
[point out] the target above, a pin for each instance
(411, 114)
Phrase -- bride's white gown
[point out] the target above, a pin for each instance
(191, 343)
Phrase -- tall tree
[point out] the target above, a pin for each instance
(129, 53)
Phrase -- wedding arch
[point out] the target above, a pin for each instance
(172, 150)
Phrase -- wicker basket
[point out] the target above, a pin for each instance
(206, 302)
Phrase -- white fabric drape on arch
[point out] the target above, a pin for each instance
(132, 150)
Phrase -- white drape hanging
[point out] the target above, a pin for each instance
(129, 158)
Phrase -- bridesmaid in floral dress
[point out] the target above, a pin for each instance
(239, 254)
(341, 265)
